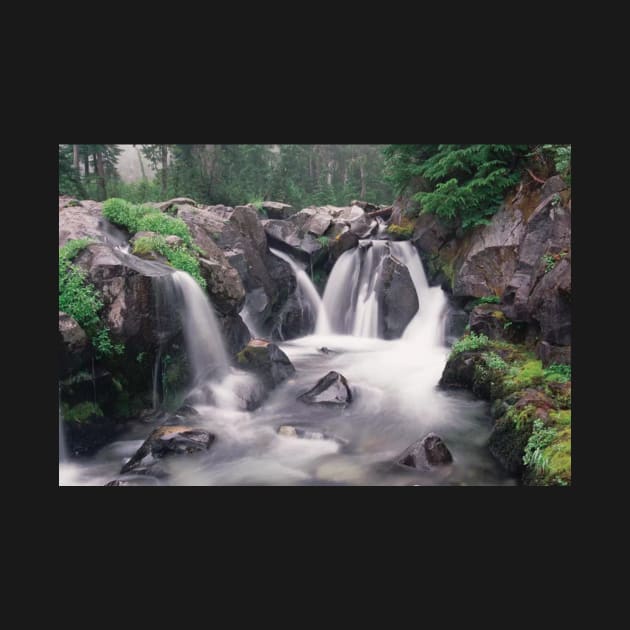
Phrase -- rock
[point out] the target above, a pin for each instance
(267, 361)
(550, 304)
(325, 350)
(455, 324)
(549, 354)
(460, 370)
(80, 222)
(332, 389)
(489, 258)
(554, 184)
(127, 293)
(168, 441)
(344, 242)
(507, 444)
(398, 300)
(136, 481)
(74, 345)
(488, 319)
(224, 285)
(88, 436)
(426, 454)
(236, 335)
(276, 210)
(294, 320)
(365, 205)
(165, 206)
(174, 241)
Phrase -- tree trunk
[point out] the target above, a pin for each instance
(100, 170)
(164, 168)
(75, 157)
(86, 164)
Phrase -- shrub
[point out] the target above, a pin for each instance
(494, 361)
(487, 299)
(470, 342)
(559, 373)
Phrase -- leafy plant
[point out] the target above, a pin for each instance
(323, 241)
(104, 346)
(487, 299)
(494, 361)
(80, 412)
(470, 342)
(558, 372)
(550, 262)
(540, 438)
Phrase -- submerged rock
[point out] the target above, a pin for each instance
(167, 441)
(267, 361)
(288, 430)
(332, 389)
(426, 454)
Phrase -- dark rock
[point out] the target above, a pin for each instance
(489, 320)
(332, 389)
(365, 205)
(426, 454)
(294, 320)
(550, 304)
(554, 184)
(144, 480)
(346, 241)
(86, 437)
(398, 300)
(168, 441)
(507, 444)
(455, 324)
(325, 350)
(74, 345)
(460, 370)
(224, 285)
(550, 354)
(236, 335)
(265, 360)
(276, 210)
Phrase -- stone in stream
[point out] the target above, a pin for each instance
(332, 389)
(425, 454)
(167, 441)
(267, 361)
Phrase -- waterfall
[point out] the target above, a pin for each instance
(308, 294)
(204, 339)
(351, 300)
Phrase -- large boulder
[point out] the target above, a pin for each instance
(85, 219)
(549, 354)
(277, 210)
(126, 287)
(236, 335)
(332, 389)
(398, 300)
(224, 284)
(167, 441)
(459, 371)
(267, 361)
(489, 255)
(425, 454)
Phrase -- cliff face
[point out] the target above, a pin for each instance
(522, 258)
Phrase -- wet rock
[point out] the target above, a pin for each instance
(332, 389)
(135, 481)
(455, 324)
(554, 184)
(267, 361)
(294, 320)
(342, 243)
(549, 354)
(426, 454)
(326, 350)
(224, 285)
(489, 320)
(459, 371)
(398, 300)
(507, 444)
(168, 441)
(236, 335)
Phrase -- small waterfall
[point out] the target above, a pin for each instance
(308, 293)
(351, 301)
(204, 339)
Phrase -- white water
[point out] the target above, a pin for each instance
(308, 293)
(396, 401)
(204, 339)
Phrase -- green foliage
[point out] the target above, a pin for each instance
(145, 219)
(487, 299)
(494, 361)
(104, 346)
(178, 257)
(470, 342)
(557, 372)
(527, 374)
(463, 183)
(77, 297)
(323, 241)
(540, 438)
(140, 357)
(550, 262)
(80, 412)
(507, 325)
(401, 232)
(561, 156)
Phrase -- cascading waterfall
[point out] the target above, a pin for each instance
(351, 300)
(310, 298)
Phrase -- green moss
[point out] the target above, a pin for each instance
(401, 232)
(528, 374)
(558, 458)
(81, 412)
(562, 417)
(498, 315)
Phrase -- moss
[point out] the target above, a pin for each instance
(562, 417)
(498, 315)
(528, 374)
(401, 232)
(82, 412)
(558, 460)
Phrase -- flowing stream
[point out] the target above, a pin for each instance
(394, 384)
